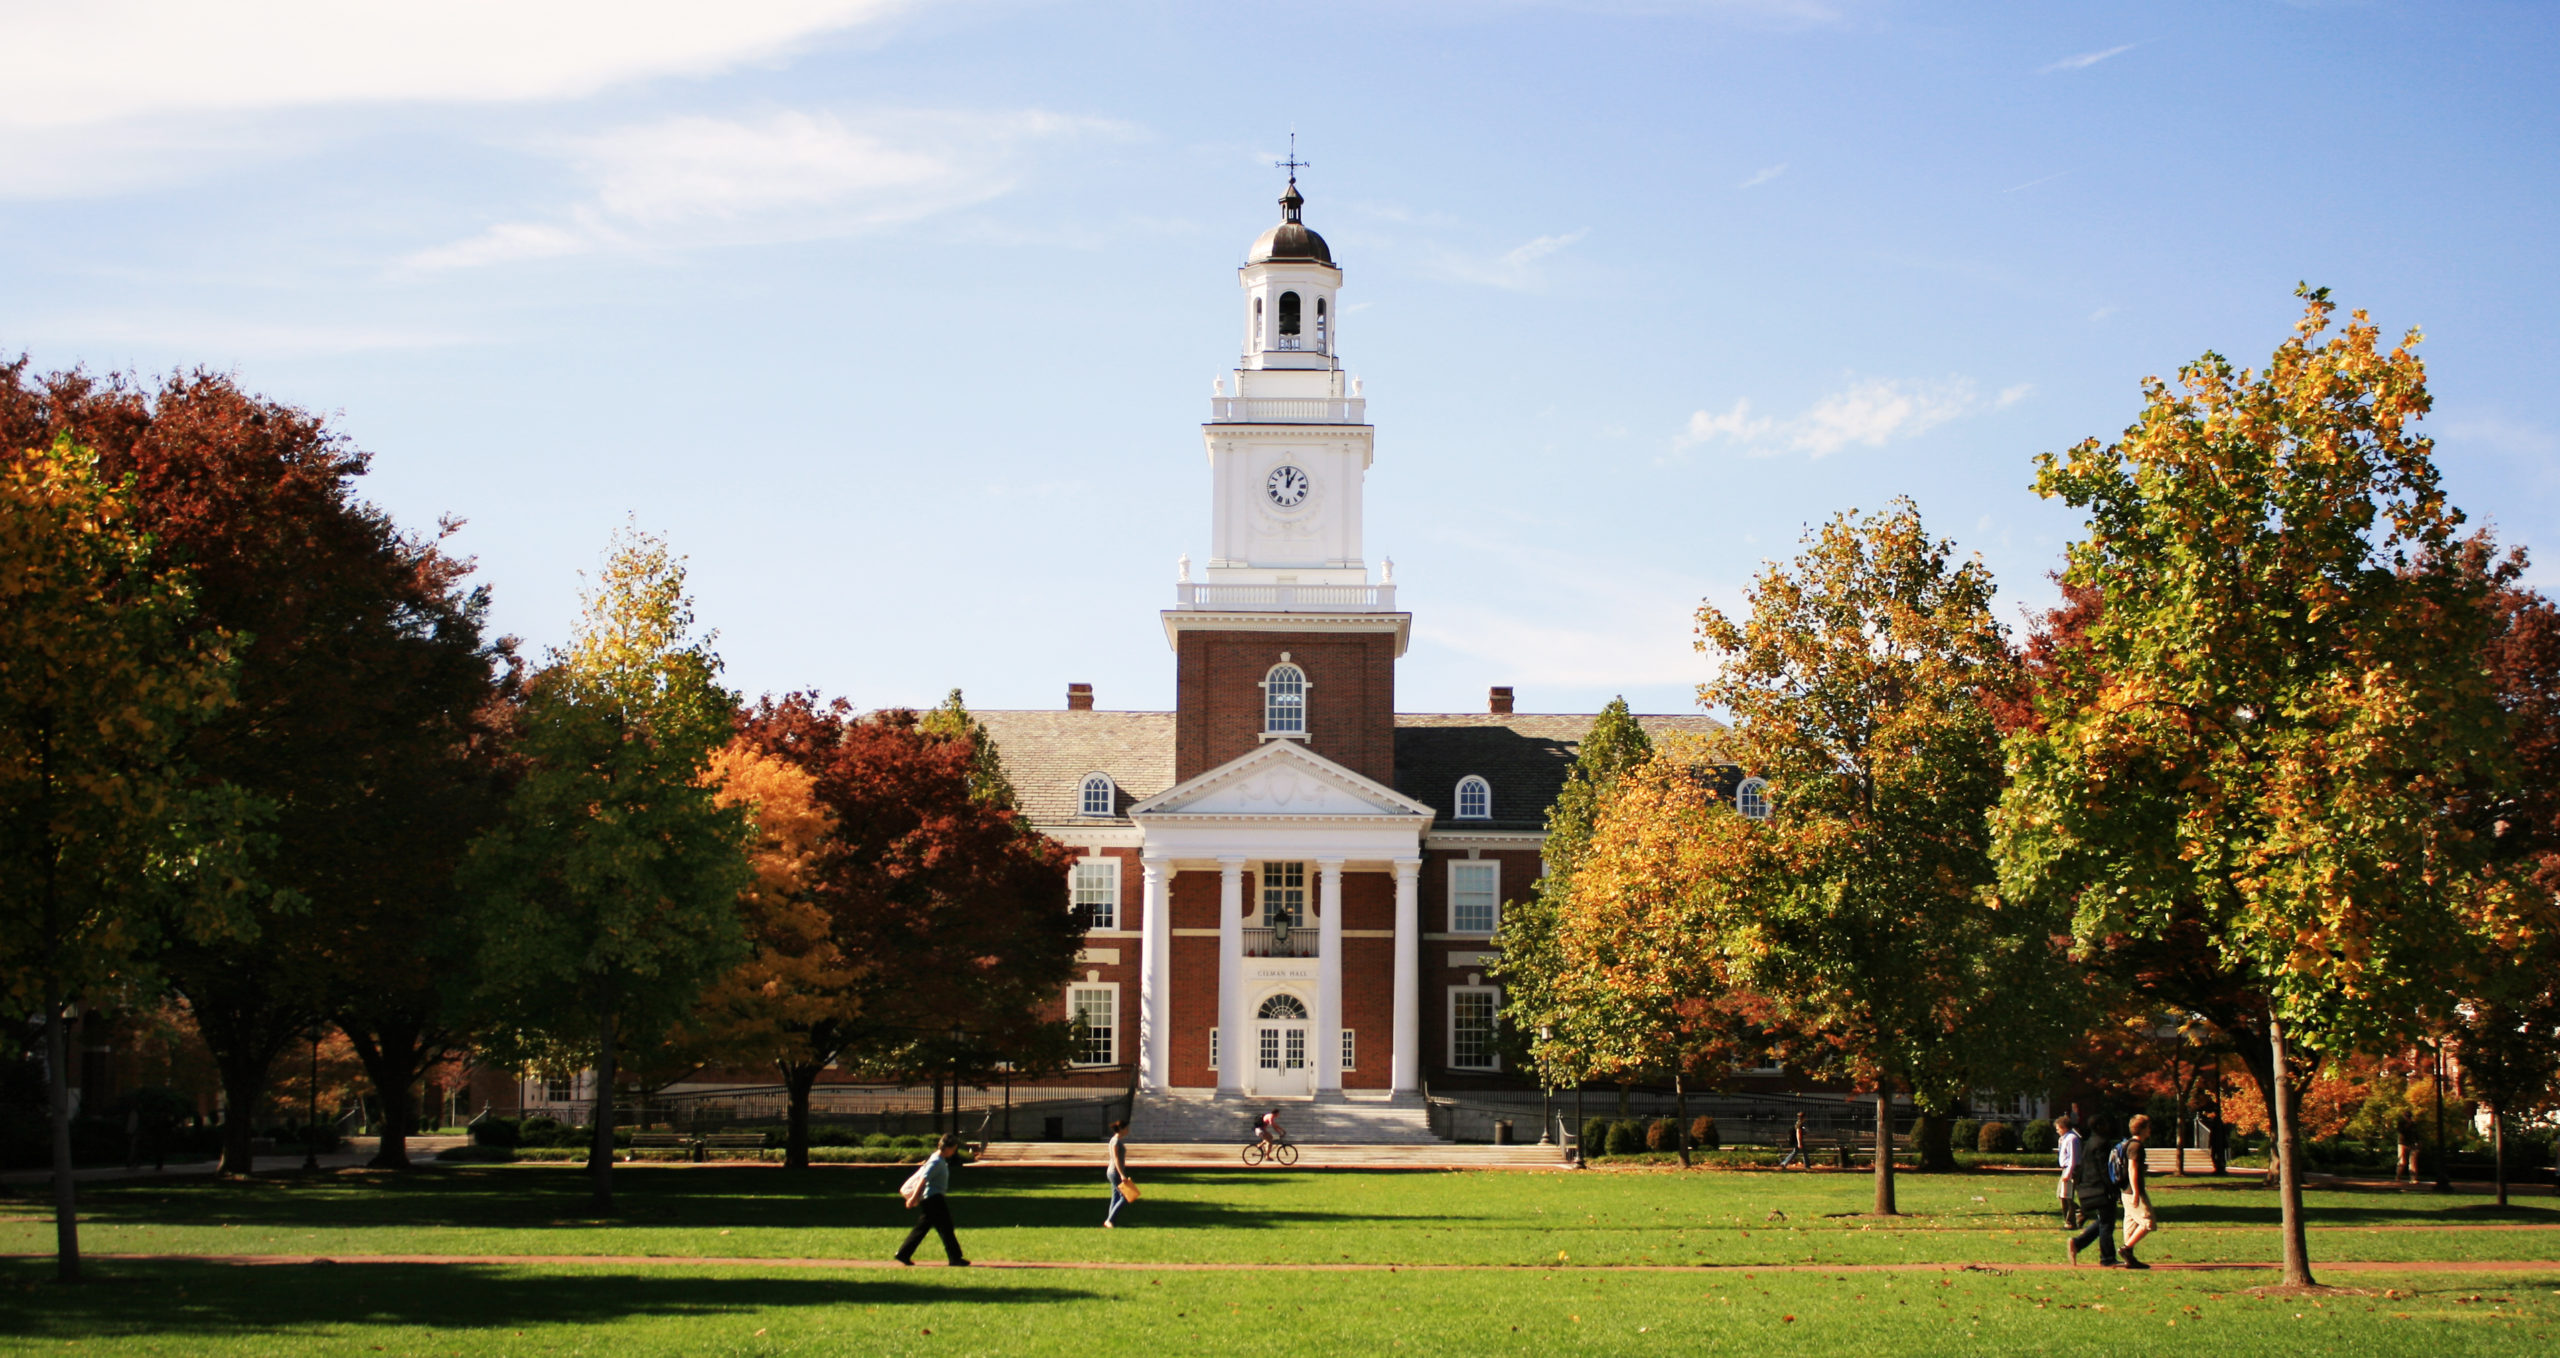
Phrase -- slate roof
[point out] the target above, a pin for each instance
(1048, 753)
(1525, 757)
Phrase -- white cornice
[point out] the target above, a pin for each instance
(1180, 620)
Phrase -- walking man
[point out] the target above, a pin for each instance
(2135, 1180)
(2096, 1199)
(933, 1204)
(1795, 1153)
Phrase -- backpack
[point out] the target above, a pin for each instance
(2092, 1175)
(2118, 1176)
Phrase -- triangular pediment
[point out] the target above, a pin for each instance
(1283, 778)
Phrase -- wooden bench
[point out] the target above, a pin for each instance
(662, 1141)
(726, 1141)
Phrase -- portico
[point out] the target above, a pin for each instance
(1282, 828)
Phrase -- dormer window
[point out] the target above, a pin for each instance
(1284, 700)
(1752, 798)
(1099, 796)
(1475, 798)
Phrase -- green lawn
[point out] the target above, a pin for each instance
(1546, 1240)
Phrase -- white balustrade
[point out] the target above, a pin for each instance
(1286, 598)
(1288, 410)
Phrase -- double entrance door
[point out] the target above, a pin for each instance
(1282, 1047)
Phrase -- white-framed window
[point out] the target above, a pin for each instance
(1475, 895)
(560, 1091)
(1097, 1009)
(1095, 890)
(1475, 798)
(1284, 895)
(1471, 1027)
(1284, 701)
(1098, 797)
(1752, 798)
(1350, 1050)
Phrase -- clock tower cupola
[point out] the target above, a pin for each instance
(1288, 435)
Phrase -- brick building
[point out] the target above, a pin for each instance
(1292, 886)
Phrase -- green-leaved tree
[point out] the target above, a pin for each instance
(609, 888)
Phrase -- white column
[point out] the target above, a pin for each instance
(1406, 1069)
(1155, 978)
(1329, 977)
(1235, 1048)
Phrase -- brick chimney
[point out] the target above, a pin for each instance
(1499, 701)
(1079, 697)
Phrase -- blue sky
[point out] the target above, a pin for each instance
(899, 319)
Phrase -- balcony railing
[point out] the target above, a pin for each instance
(1288, 410)
(1297, 942)
(1287, 598)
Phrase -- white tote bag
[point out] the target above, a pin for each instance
(912, 1191)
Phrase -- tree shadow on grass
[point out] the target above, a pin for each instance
(131, 1298)
(832, 1198)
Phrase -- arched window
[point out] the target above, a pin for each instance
(1475, 798)
(1257, 325)
(1288, 313)
(1282, 1007)
(1752, 798)
(1284, 701)
(1320, 335)
(1099, 797)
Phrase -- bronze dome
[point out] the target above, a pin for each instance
(1290, 240)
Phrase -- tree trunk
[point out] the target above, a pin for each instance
(2297, 1240)
(1933, 1138)
(600, 1153)
(2498, 1151)
(244, 1072)
(392, 1060)
(1884, 1148)
(1680, 1109)
(1622, 1100)
(66, 1206)
(797, 1081)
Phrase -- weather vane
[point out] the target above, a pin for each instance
(1292, 164)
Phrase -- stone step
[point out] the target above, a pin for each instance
(1208, 1118)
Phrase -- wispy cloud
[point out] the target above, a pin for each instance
(2016, 188)
(2086, 60)
(1868, 414)
(1515, 268)
(1763, 176)
(222, 338)
(105, 60)
(785, 176)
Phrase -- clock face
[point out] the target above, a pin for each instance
(1287, 486)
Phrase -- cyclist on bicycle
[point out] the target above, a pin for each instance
(1267, 1131)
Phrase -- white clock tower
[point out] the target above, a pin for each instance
(1290, 445)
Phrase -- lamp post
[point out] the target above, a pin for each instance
(956, 1035)
(1546, 1095)
(311, 1105)
(2444, 1172)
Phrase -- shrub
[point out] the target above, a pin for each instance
(879, 1141)
(1964, 1133)
(1662, 1134)
(1703, 1134)
(912, 1143)
(1595, 1137)
(1626, 1138)
(539, 1124)
(1996, 1138)
(2036, 1137)
(496, 1132)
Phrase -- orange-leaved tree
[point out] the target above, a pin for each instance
(2271, 739)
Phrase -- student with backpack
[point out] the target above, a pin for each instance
(2096, 1198)
(2132, 1178)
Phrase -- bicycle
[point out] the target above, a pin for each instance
(1282, 1152)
